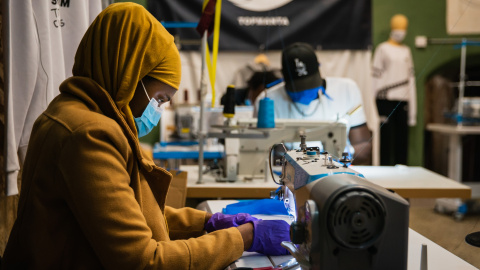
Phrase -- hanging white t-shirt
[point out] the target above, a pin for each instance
(393, 76)
(42, 39)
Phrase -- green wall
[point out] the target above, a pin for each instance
(428, 18)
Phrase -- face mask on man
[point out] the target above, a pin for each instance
(305, 96)
(150, 116)
(398, 35)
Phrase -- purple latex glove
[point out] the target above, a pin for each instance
(220, 221)
(267, 236)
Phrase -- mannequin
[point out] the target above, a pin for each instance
(398, 26)
(394, 89)
(251, 79)
(262, 59)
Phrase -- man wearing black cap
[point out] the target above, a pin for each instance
(306, 95)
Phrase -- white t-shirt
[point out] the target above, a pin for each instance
(342, 95)
(42, 39)
(393, 76)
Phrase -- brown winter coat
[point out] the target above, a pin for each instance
(90, 198)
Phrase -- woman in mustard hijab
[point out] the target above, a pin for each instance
(90, 198)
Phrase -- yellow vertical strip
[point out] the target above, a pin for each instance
(216, 38)
(204, 4)
(212, 62)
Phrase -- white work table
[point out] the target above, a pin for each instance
(408, 182)
(438, 257)
(414, 182)
(455, 133)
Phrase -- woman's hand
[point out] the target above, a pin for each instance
(208, 216)
(246, 230)
(268, 236)
(220, 221)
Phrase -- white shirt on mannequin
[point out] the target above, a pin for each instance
(393, 76)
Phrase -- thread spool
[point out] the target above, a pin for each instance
(266, 114)
(229, 105)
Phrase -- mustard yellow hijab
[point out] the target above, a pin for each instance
(122, 45)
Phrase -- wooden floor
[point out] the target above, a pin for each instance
(444, 230)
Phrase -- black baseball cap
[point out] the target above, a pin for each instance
(300, 67)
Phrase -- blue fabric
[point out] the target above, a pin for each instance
(305, 96)
(274, 83)
(181, 143)
(257, 207)
(325, 93)
(149, 118)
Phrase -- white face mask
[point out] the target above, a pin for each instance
(398, 35)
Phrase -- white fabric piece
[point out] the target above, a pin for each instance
(392, 66)
(41, 39)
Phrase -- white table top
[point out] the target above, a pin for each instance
(257, 188)
(408, 182)
(438, 257)
(411, 182)
(454, 129)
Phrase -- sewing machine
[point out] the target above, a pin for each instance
(180, 123)
(341, 221)
(246, 147)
